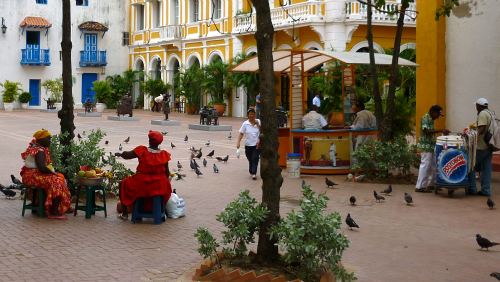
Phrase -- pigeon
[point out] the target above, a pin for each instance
(303, 183)
(388, 190)
(179, 166)
(79, 136)
(126, 140)
(179, 176)
(204, 162)
(350, 222)
(198, 172)
(229, 137)
(199, 154)
(192, 165)
(495, 275)
(211, 154)
(484, 243)
(225, 159)
(172, 145)
(196, 164)
(83, 132)
(8, 193)
(378, 198)
(219, 159)
(164, 133)
(490, 203)
(329, 183)
(352, 199)
(106, 142)
(408, 199)
(186, 138)
(208, 143)
(216, 169)
(15, 180)
(120, 147)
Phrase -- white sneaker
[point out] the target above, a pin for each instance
(254, 177)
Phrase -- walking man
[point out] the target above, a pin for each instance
(483, 153)
(426, 144)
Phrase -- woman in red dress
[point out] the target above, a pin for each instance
(39, 172)
(151, 178)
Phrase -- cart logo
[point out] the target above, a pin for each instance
(453, 164)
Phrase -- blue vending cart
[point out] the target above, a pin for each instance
(452, 163)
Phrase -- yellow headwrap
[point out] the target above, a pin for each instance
(42, 133)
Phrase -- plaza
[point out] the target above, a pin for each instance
(431, 241)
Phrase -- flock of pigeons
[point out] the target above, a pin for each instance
(483, 242)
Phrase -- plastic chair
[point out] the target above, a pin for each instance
(40, 196)
(90, 207)
(157, 213)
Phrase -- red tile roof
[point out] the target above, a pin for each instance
(93, 26)
(35, 22)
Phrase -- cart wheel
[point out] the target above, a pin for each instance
(450, 192)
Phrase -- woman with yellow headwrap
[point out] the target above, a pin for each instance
(38, 171)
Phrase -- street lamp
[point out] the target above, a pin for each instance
(4, 27)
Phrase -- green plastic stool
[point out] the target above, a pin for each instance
(37, 193)
(90, 207)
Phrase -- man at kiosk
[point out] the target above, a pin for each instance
(314, 120)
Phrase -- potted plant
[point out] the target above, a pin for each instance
(24, 99)
(10, 92)
(189, 86)
(103, 92)
(218, 84)
(55, 87)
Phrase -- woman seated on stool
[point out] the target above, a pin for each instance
(151, 178)
(39, 172)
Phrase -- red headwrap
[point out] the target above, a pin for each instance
(155, 137)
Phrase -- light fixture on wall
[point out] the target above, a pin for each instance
(4, 27)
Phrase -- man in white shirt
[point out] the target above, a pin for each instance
(314, 120)
(317, 101)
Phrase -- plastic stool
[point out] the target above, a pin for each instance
(157, 213)
(39, 194)
(90, 207)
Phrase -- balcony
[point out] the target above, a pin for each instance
(282, 17)
(35, 57)
(170, 32)
(357, 13)
(93, 58)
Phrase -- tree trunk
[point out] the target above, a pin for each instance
(379, 112)
(270, 171)
(388, 132)
(66, 113)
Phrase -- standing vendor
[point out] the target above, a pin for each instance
(364, 120)
(426, 144)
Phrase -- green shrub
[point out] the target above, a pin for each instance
(312, 239)
(10, 91)
(25, 97)
(155, 87)
(87, 152)
(103, 91)
(55, 87)
(377, 159)
(208, 244)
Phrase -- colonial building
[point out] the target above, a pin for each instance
(169, 35)
(31, 49)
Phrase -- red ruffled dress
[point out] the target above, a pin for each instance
(55, 185)
(150, 179)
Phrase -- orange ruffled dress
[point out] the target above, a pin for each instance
(150, 179)
(55, 185)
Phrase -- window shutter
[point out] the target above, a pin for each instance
(125, 38)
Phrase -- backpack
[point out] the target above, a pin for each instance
(492, 135)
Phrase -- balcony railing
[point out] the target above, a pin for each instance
(35, 57)
(171, 32)
(356, 11)
(93, 58)
(282, 16)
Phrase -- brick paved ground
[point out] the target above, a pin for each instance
(432, 241)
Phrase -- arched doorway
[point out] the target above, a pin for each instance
(173, 69)
(136, 93)
(155, 71)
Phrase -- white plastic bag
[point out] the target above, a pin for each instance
(238, 153)
(175, 206)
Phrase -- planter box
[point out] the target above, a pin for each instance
(9, 107)
(100, 107)
(24, 106)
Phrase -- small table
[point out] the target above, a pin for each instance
(90, 206)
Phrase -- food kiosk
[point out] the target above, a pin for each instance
(321, 151)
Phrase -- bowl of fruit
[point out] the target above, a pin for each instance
(90, 176)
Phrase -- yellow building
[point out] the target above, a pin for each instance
(168, 35)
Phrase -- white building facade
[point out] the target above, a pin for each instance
(31, 44)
